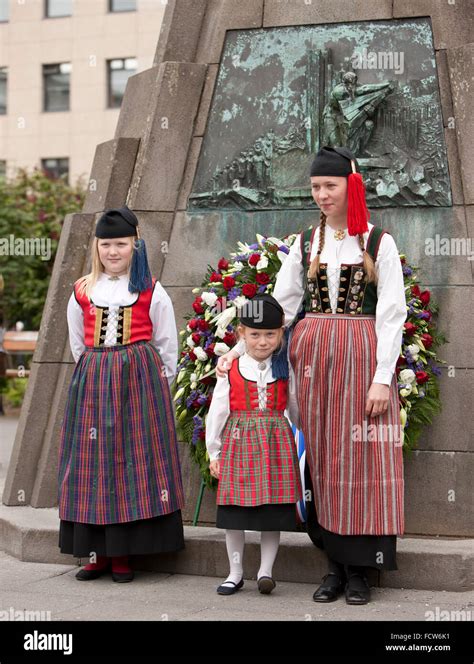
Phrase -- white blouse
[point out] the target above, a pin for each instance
(391, 310)
(219, 409)
(114, 294)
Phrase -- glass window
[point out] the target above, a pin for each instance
(56, 167)
(119, 71)
(4, 10)
(122, 5)
(3, 90)
(56, 86)
(55, 8)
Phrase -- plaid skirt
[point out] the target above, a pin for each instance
(259, 461)
(355, 462)
(118, 459)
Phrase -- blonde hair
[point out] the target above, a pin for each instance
(369, 265)
(88, 281)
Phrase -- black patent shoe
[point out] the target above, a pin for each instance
(357, 589)
(229, 590)
(91, 574)
(265, 585)
(123, 577)
(330, 589)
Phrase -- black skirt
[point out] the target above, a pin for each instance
(146, 536)
(262, 517)
(377, 551)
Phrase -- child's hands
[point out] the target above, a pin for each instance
(215, 468)
(224, 363)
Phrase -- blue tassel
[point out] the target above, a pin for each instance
(280, 368)
(140, 275)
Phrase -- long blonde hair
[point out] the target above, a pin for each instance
(88, 281)
(369, 265)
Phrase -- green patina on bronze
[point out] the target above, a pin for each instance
(281, 93)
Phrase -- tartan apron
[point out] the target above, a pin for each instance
(118, 458)
(259, 461)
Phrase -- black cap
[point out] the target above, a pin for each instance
(333, 161)
(262, 312)
(115, 223)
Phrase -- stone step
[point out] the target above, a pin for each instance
(31, 535)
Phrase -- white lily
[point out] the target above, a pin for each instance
(190, 342)
(209, 299)
(262, 263)
(201, 354)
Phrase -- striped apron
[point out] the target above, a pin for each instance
(356, 462)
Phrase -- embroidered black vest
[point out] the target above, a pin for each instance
(356, 296)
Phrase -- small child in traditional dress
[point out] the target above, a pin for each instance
(251, 445)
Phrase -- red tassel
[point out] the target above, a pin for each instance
(357, 212)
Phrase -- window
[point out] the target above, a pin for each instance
(4, 10)
(3, 90)
(56, 86)
(56, 8)
(122, 5)
(56, 168)
(118, 72)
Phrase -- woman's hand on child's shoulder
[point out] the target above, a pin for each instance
(215, 468)
(224, 363)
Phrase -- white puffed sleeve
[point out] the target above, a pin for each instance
(217, 417)
(391, 310)
(165, 333)
(75, 321)
(289, 289)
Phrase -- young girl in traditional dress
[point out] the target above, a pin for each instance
(120, 490)
(347, 275)
(251, 445)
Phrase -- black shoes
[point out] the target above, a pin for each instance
(230, 590)
(357, 589)
(265, 585)
(330, 589)
(123, 577)
(91, 574)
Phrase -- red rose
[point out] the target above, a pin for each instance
(203, 324)
(193, 324)
(427, 340)
(207, 380)
(421, 377)
(249, 290)
(196, 337)
(197, 306)
(202, 435)
(425, 297)
(210, 349)
(223, 264)
(415, 291)
(254, 259)
(196, 404)
(262, 278)
(215, 276)
(229, 339)
(229, 282)
(402, 261)
(410, 329)
(401, 361)
(192, 356)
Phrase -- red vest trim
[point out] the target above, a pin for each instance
(244, 392)
(134, 323)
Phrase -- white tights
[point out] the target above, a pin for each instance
(235, 542)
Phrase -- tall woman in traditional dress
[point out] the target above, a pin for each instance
(120, 489)
(346, 273)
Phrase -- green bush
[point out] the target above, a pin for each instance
(32, 205)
